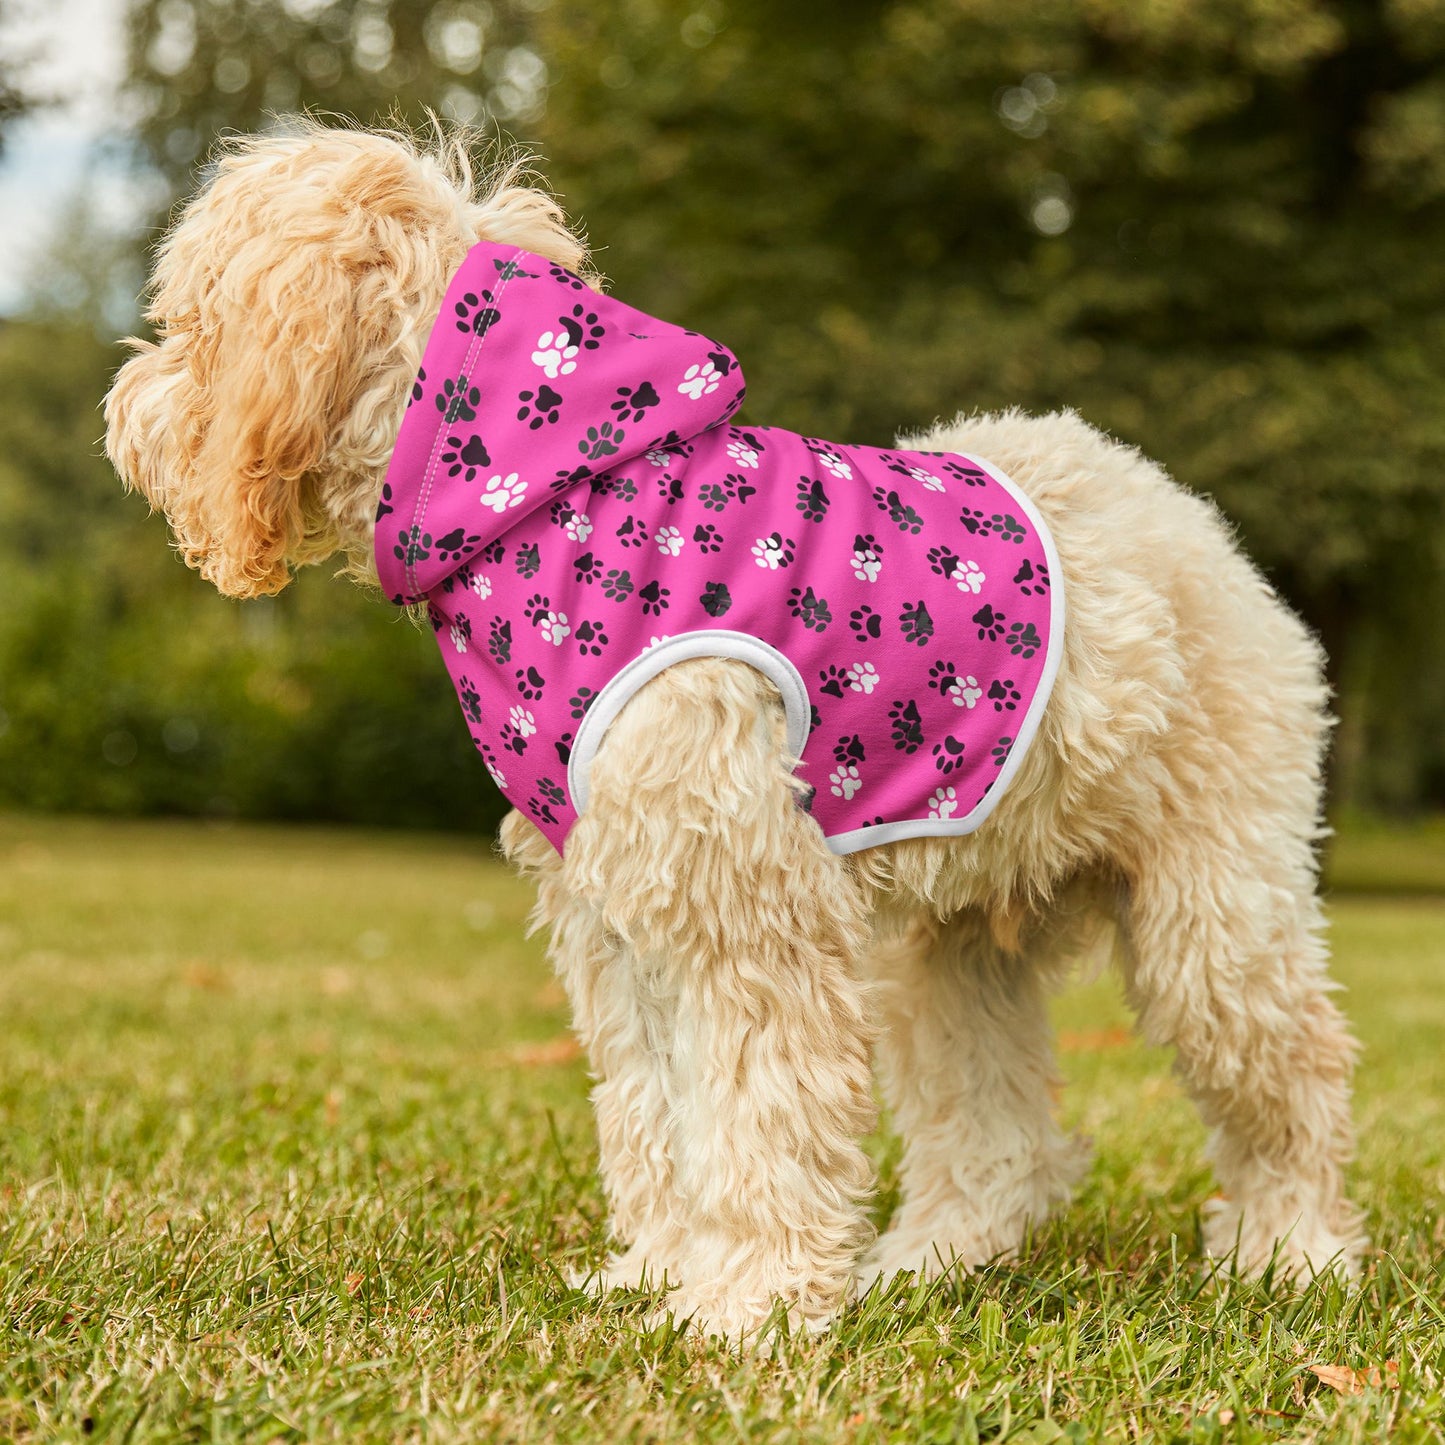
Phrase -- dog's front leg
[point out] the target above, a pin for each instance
(736, 932)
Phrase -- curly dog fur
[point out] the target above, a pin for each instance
(730, 977)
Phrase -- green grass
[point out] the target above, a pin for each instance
(284, 1155)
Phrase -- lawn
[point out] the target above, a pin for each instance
(293, 1146)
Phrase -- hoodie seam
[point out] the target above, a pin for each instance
(474, 348)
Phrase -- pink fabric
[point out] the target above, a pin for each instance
(568, 499)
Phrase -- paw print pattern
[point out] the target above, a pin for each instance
(539, 408)
(581, 328)
(461, 632)
(700, 380)
(931, 482)
(741, 454)
(587, 568)
(716, 495)
(942, 560)
(418, 388)
(530, 683)
(554, 627)
(844, 781)
(849, 749)
(948, 755)
(577, 527)
(1000, 751)
(473, 317)
(632, 532)
(810, 609)
(523, 721)
(471, 699)
(707, 537)
(1024, 639)
(384, 507)
(581, 700)
(835, 465)
(658, 457)
(867, 557)
(553, 792)
(943, 803)
(716, 599)
(1003, 694)
(669, 541)
(591, 639)
(499, 639)
(503, 492)
(812, 499)
(555, 354)
(412, 546)
(899, 512)
(633, 403)
(969, 576)
(832, 681)
(866, 623)
(1031, 580)
(528, 560)
(862, 677)
(907, 726)
(601, 441)
(452, 546)
(990, 623)
(618, 584)
(465, 458)
(970, 475)
(915, 623)
(654, 599)
(457, 401)
(1008, 527)
(773, 551)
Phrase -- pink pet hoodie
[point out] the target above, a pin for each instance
(568, 499)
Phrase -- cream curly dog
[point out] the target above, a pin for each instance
(730, 976)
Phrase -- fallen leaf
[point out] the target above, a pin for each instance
(354, 1283)
(1347, 1381)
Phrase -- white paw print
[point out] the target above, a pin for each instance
(459, 638)
(867, 564)
(836, 465)
(965, 691)
(554, 628)
(668, 540)
(699, 380)
(660, 458)
(503, 492)
(768, 552)
(481, 585)
(943, 803)
(523, 722)
(969, 576)
(863, 677)
(653, 642)
(844, 781)
(742, 454)
(578, 526)
(934, 484)
(555, 354)
(498, 776)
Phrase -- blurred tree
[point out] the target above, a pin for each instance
(15, 97)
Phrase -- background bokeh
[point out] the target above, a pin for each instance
(1214, 227)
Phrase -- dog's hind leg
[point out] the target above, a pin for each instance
(738, 934)
(966, 1059)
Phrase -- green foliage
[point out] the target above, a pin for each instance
(282, 1158)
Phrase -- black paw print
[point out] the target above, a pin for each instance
(740, 487)
(716, 599)
(618, 585)
(714, 496)
(536, 608)
(899, 512)
(623, 488)
(1032, 579)
(564, 749)
(632, 533)
(384, 507)
(943, 560)
(1024, 639)
(907, 726)
(942, 676)
(989, 623)
(583, 328)
(591, 639)
(670, 488)
(915, 623)
(499, 640)
(581, 700)
(1003, 695)
(417, 388)
(471, 698)
(513, 740)
(542, 406)
(466, 456)
(530, 683)
(601, 441)
(529, 561)
(566, 278)
(810, 609)
(812, 499)
(849, 749)
(833, 680)
(587, 567)
(509, 268)
(541, 811)
(453, 546)
(707, 537)
(1000, 751)
(654, 599)
(457, 401)
(553, 792)
(1008, 527)
(976, 522)
(865, 623)
(434, 616)
(633, 401)
(973, 476)
(493, 552)
(948, 755)
(473, 316)
(412, 546)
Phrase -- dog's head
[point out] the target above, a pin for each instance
(292, 301)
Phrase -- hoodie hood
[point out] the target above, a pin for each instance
(531, 386)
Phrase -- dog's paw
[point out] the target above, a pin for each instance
(1297, 1248)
